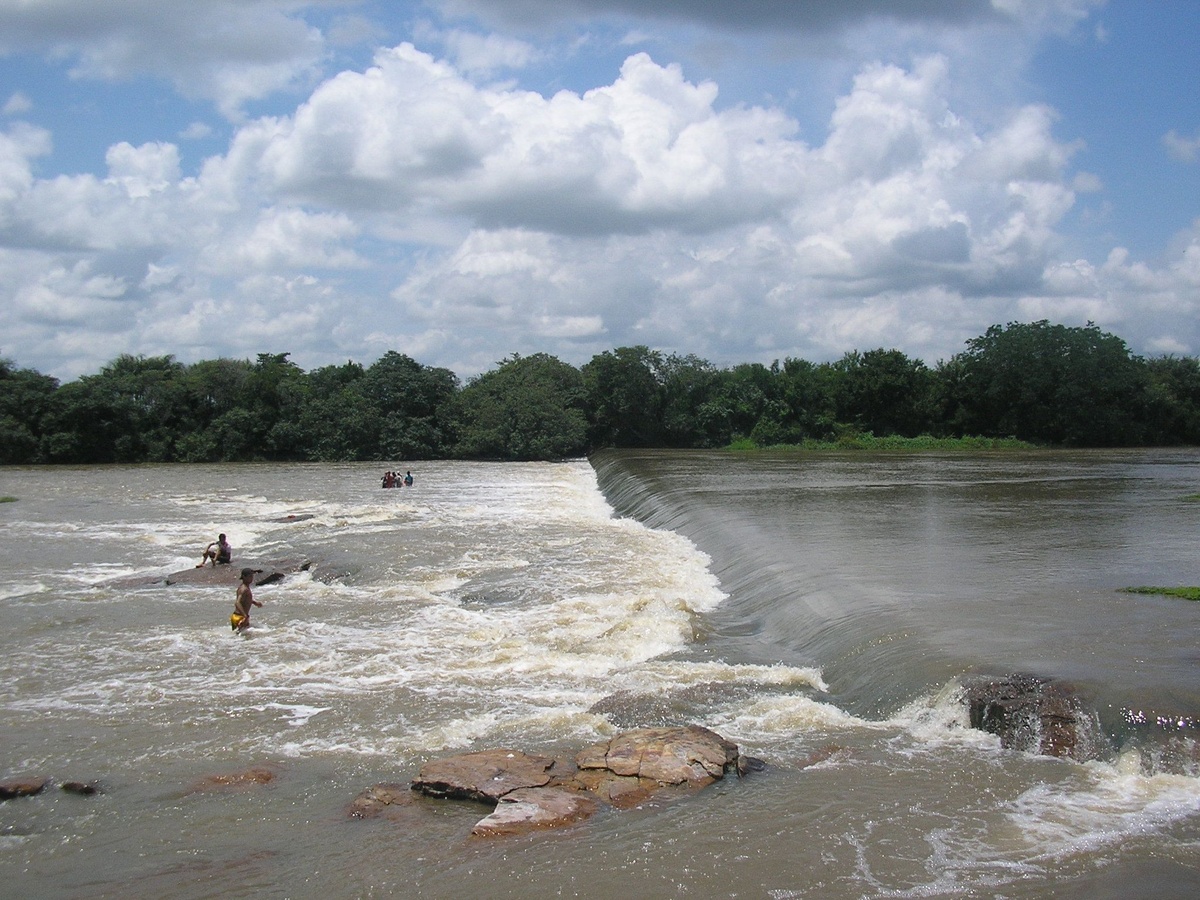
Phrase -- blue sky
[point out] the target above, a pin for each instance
(460, 180)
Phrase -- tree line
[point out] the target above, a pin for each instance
(1036, 382)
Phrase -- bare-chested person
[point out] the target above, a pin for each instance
(240, 620)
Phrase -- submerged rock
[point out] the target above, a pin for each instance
(83, 788)
(1034, 715)
(240, 780)
(381, 799)
(24, 786)
(675, 708)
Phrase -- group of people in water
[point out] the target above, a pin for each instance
(395, 479)
(220, 553)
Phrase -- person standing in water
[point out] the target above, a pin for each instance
(240, 620)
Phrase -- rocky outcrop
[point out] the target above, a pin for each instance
(1034, 715)
(229, 575)
(225, 576)
(532, 792)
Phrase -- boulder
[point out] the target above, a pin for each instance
(674, 756)
(25, 786)
(532, 809)
(1034, 715)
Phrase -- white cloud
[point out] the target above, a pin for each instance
(405, 207)
(16, 104)
(1184, 149)
(226, 51)
(483, 54)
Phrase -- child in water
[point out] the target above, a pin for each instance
(240, 620)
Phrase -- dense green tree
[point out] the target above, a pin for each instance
(687, 384)
(1173, 400)
(213, 388)
(335, 421)
(624, 397)
(25, 399)
(737, 400)
(410, 401)
(1051, 383)
(529, 408)
(807, 408)
(883, 392)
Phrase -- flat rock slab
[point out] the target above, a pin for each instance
(533, 809)
(486, 776)
(25, 786)
(223, 575)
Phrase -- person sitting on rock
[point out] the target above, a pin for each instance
(219, 552)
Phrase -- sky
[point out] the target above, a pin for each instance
(463, 180)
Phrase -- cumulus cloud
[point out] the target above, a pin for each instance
(406, 207)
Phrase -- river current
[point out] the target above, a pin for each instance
(819, 610)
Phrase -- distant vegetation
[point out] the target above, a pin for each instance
(1035, 383)
(1186, 593)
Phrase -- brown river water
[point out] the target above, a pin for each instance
(819, 610)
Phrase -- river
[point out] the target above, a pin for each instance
(817, 609)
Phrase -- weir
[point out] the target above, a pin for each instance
(899, 576)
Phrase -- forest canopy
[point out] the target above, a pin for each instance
(1036, 382)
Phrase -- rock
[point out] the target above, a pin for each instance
(531, 809)
(532, 792)
(243, 780)
(229, 575)
(1034, 715)
(665, 755)
(487, 775)
(379, 800)
(83, 788)
(294, 517)
(25, 786)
